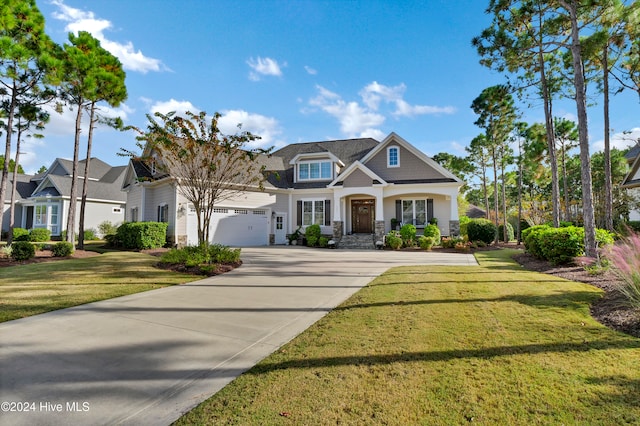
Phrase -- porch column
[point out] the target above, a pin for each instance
(338, 223)
(379, 229)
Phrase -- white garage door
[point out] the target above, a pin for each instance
(237, 227)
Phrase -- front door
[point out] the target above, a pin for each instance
(362, 216)
(280, 228)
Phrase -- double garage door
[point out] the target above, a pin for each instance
(237, 227)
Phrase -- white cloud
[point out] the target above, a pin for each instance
(264, 66)
(619, 140)
(79, 20)
(267, 128)
(172, 105)
(374, 93)
(354, 120)
(310, 70)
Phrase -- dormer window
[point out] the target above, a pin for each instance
(393, 156)
(315, 170)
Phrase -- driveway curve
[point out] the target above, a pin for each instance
(147, 358)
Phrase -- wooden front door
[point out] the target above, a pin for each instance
(362, 216)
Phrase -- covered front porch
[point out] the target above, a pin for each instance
(374, 210)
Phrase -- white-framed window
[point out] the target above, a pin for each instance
(315, 170)
(163, 213)
(393, 156)
(134, 214)
(312, 212)
(414, 212)
(47, 216)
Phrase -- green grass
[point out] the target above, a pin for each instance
(439, 345)
(32, 289)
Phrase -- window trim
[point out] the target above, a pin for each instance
(389, 149)
(161, 209)
(319, 162)
(314, 203)
(413, 208)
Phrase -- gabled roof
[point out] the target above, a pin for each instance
(346, 150)
(24, 187)
(357, 165)
(633, 153)
(393, 137)
(632, 180)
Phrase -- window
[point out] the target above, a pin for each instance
(163, 213)
(393, 156)
(134, 215)
(414, 212)
(41, 215)
(312, 212)
(53, 220)
(315, 170)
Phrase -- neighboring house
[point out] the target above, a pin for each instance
(42, 201)
(632, 180)
(353, 186)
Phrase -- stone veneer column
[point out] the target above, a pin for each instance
(454, 228)
(338, 226)
(379, 230)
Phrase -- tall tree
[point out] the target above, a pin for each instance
(79, 81)
(110, 88)
(518, 41)
(496, 115)
(577, 14)
(208, 166)
(566, 135)
(479, 155)
(24, 59)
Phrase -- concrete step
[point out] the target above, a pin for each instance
(357, 242)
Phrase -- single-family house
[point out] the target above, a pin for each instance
(42, 200)
(632, 180)
(353, 186)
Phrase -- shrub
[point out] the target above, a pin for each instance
(21, 234)
(62, 249)
(142, 235)
(219, 253)
(451, 242)
(323, 242)
(22, 250)
(432, 231)
(604, 237)
(40, 234)
(313, 234)
(433, 221)
(90, 235)
(625, 257)
(561, 245)
(425, 242)
(464, 223)
(531, 237)
(393, 240)
(107, 228)
(481, 230)
(510, 235)
(408, 234)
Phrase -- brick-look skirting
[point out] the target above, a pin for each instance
(338, 227)
(379, 230)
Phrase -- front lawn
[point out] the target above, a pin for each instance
(32, 289)
(443, 345)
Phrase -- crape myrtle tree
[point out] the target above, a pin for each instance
(208, 166)
(25, 57)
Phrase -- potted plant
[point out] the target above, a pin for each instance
(394, 224)
(294, 236)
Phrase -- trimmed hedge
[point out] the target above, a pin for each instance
(21, 234)
(62, 249)
(560, 245)
(313, 233)
(142, 235)
(22, 250)
(481, 230)
(432, 231)
(40, 235)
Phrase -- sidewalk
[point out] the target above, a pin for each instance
(146, 359)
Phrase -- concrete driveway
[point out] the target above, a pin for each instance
(147, 358)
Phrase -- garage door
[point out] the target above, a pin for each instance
(237, 227)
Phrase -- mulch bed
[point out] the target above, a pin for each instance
(45, 256)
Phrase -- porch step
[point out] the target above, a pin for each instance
(357, 242)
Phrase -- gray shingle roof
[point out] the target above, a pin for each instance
(633, 153)
(24, 188)
(347, 150)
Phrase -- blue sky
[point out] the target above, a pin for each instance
(295, 71)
